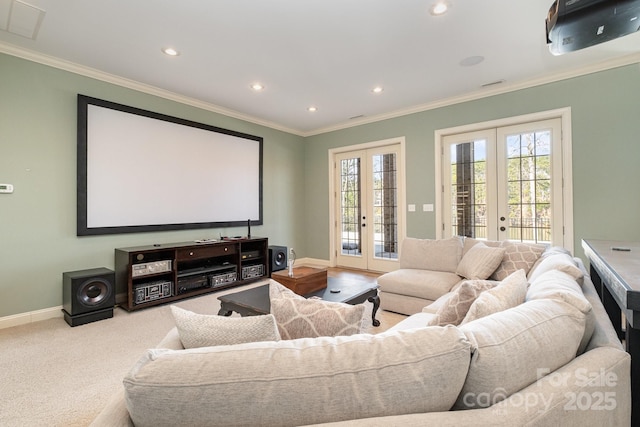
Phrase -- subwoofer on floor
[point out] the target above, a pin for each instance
(277, 258)
(88, 295)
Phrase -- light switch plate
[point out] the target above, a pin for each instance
(6, 188)
(412, 208)
(427, 207)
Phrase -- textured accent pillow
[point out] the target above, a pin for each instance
(461, 299)
(509, 293)
(201, 330)
(480, 262)
(517, 256)
(298, 317)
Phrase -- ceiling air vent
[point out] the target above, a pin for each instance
(20, 18)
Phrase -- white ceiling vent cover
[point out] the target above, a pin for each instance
(20, 18)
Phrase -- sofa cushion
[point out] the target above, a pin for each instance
(480, 262)
(201, 330)
(427, 254)
(439, 303)
(425, 284)
(300, 382)
(461, 299)
(509, 293)
(512, 348)
(561, 286)
(298, 317)
(556, 261)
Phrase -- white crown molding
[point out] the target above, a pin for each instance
(134, 85)
(484, 93)
(152, 90)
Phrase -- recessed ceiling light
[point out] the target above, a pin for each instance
(257, 87)
(170, 51)
(377, 89)
(312, 109)
(439, 8)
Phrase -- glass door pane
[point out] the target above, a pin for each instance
(350, 206)
(385, 206)
(469, 189)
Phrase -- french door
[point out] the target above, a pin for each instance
(505, 183)
(368, 215)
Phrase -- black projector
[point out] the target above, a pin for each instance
(576, 24)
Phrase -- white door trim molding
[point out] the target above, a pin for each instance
(567, 171)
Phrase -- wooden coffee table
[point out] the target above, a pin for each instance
(255, 301)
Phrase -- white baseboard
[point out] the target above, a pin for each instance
(312, 262)
(29, 317)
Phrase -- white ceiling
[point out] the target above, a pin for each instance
(328, 53)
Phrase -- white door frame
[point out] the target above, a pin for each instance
(402, 188)
(564, 114)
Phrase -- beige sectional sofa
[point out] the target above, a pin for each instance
(551, 359)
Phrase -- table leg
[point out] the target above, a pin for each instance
(632, 343)
(375, 300)
(224, 311)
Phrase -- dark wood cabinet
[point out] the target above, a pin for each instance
(157, 274)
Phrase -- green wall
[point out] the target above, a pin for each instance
(38, 156)
(605, 110)
(38, 239)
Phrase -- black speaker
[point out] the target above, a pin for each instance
(88, 295)
(277, 258)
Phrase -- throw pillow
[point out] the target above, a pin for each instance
(480, 262)
(298, 317)
(509, 293)
(517, 256)
(428, 254)
(201, 330)
(461, 299)
(278, 290)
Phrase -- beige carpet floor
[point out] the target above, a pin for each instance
(54, 375)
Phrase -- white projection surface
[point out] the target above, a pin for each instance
(143, 171)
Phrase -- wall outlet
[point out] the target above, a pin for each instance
(427, 207)
(6, 188)
(412, 208)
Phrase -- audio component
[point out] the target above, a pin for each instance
(190, 283)
(250, 254)
(277, 258)
(138, 270)
(252, 271)
(221, 279)
(146, 292)
(88, 295)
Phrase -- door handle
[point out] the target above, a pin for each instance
(502, 228)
